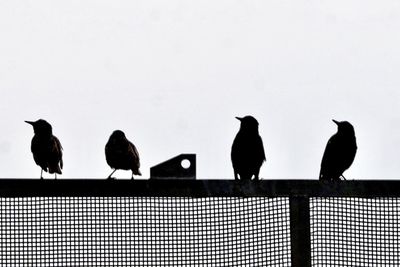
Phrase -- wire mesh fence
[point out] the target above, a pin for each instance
(355, 231)
(198, 223)
(144, 231)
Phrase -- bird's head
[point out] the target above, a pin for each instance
(117, 135)
(344, 127)
(248, 124)
(41, 127)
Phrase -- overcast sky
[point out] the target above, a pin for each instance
(173, 75)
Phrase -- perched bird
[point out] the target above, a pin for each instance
(247, 152)
(46, 148)
(121, 154)
(339, 152)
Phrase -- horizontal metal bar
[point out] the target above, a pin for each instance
(197, 188)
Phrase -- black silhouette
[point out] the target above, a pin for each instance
(121, 154)
(339, 152)
(46, 148)
(247, 153)
(175, 168)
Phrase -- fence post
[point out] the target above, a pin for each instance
(300, 238)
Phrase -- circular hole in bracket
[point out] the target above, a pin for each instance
(185, 164)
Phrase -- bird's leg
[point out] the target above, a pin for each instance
(236, 175)
(132, 176)
(41, 173)
(256, 178)
(55, 176)
(109, 177)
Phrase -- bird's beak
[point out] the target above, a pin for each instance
(29, 122)
(335, 121)
(239, 118)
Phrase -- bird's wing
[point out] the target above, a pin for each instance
(349, 155)
(261, 150)
(133, 151)
(39, 153)
(57, 150)
(108, 153)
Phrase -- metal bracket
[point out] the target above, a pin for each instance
(182, 166)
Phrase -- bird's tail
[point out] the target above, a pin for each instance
(55, 169)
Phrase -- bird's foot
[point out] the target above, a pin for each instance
(110, 176)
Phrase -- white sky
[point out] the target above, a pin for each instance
(173, 75)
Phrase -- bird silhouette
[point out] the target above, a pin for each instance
(339, 152)
(247, 152)
(46, 148)
(121, 154)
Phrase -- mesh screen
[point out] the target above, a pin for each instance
(144, 231)
(355, 231)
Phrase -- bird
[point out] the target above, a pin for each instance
(46, 148)
(339, 153)
(121, 154)
(247, 152)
